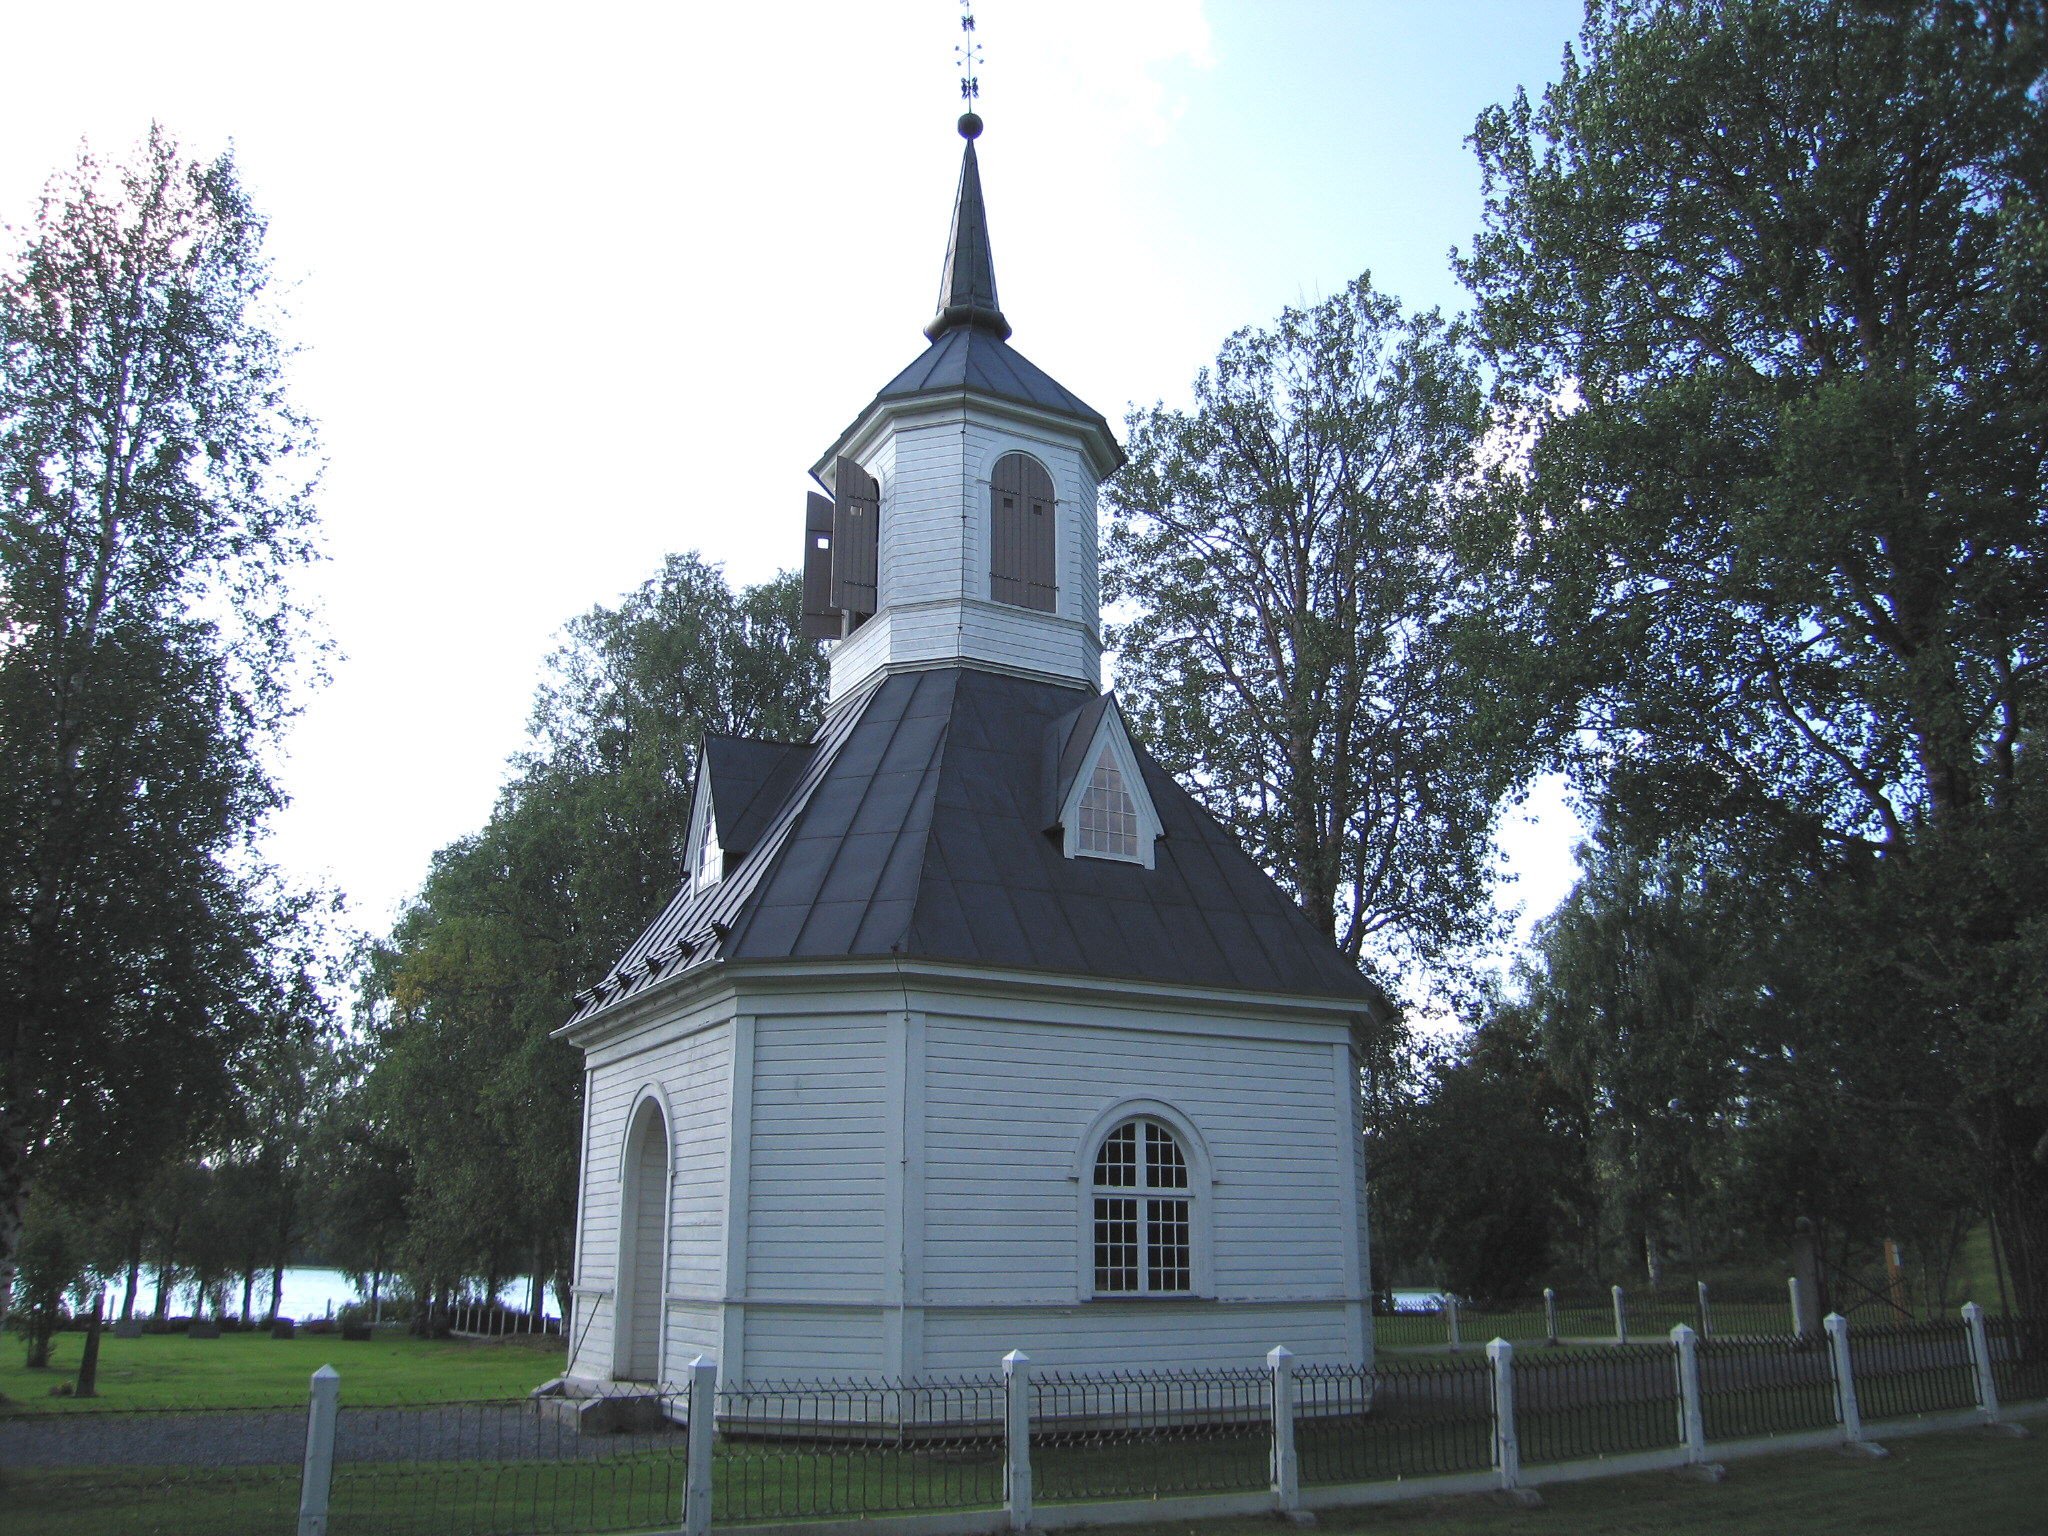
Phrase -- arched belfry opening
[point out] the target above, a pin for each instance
(1021, 535)
(643, 1245)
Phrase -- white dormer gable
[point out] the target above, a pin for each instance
(1106, 812)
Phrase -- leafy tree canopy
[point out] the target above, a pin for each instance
(154, 498)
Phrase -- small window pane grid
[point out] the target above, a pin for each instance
(710, 857)
(1109, 817)
(1144, 1244)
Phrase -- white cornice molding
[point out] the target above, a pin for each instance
(949, 405)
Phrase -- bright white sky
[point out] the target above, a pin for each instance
(581, 285)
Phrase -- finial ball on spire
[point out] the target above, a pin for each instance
(970, 126)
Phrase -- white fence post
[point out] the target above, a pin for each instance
(1706, 1315)
(1549, 1315)
(1451, 1314)
(1620, 1317)
(1017, 1438)
(1507, 1448)
(1980, 1356)
(322, 1408)
(703, 1423)
(1286, 1467)
(1798, 1307)
(1837, 1327)
(1692, 1422)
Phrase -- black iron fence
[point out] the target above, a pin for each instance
(1753, 1387)
(855, 1449)
(796, 1451)
(1405, 1418)
(1912, 1368)
(1142, 1434)
(1576, 1403)
(2019, 1357)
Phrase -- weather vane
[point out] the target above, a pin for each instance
(968, 52)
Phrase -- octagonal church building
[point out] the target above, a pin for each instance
(968, 1030)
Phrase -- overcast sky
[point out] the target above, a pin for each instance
(581, 285)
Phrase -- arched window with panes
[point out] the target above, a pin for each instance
(1144, 1213)
(1022, 548)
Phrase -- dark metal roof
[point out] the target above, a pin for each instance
(750, 779)
(967, 284)
(971, 359)
(917, 827)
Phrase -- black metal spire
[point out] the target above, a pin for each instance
(967, 287)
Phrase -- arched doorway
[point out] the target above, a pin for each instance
(643, 1247)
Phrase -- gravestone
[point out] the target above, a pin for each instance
(283, 1328)
(128, 1328)
(355, 1333)
(204, 1328)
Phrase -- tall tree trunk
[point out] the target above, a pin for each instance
(276, 1290)
(89, 1362)
(248, 1292)
(134, 1271)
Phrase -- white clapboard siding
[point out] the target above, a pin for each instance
(1007, 1106)
(693, 1330)
(1130, 1336)
(684, 1065)
(808, 1343)
(935, 604)
(694, 1076)
(816, 1182)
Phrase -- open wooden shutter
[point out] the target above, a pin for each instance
(1021, 541)
(821, 618)
(856, 530)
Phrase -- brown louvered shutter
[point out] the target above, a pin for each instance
(821, 619)
(1021, 543)
(856, 523)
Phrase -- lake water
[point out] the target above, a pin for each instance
(308, 1293)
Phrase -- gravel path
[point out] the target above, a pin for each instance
(277, 1437)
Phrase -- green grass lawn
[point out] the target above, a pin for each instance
(253, 1370)
(1933, 1484)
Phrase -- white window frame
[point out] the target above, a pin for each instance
(1112, 738)
(1201, 1180)
(703, 874)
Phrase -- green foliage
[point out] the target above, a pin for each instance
(151, 507)
(583, 850)
(1286, 546)
(1483, 1177)
(1761, 276)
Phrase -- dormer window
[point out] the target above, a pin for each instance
(1109, 817)
(1022, 565)
(1106, 811)
(710, 857)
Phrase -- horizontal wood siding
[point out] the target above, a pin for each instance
(815, 1187)
(694, 1074)
(805, 1343)
(936, 550)
(692, 1331)
(1006, 1107)
(1132, 1336)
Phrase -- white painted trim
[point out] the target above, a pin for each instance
(705, 987)
(626, 1247)
(732, 1354)
(1112, 737)
(693, 847)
